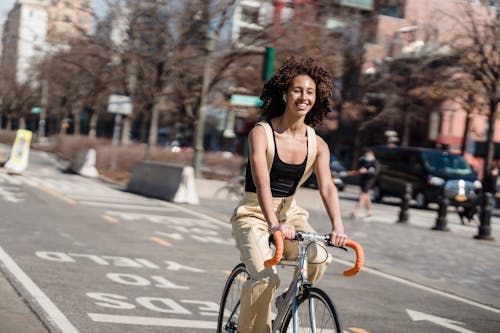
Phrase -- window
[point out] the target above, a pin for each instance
(393, 8)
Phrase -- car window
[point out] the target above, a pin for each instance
(444, 162)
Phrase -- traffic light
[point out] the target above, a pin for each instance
(268, 68)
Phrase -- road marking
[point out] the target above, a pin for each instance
(56, 194)
(55, 316)
(110, 219)
(422, 287)
(151, 321)
(444, 322)
(160, 241)
(357, 330)
(125, 206)
(224, 224)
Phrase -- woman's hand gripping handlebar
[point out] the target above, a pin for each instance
(278, 254)
(278, 240)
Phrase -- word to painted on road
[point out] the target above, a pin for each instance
(163, 305)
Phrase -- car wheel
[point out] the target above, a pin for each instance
(420, 201)
(377, 193)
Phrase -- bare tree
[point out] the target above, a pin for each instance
(479, 47)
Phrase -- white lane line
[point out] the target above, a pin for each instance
(225, 224)
(151, 321)
(55, 316)
(422, 287)
(126, 206)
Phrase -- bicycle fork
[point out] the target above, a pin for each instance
(295, 288)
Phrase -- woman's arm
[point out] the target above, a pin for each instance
(329, 193)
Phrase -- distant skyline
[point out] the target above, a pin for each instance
(7, 5)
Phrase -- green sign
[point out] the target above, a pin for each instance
(36, 109)
(363, 4)
(246, 100)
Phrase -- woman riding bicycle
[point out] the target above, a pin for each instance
(284, 149)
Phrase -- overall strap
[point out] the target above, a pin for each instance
(270, 143)
(312, 151)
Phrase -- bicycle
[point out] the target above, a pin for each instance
(305, 308)
(233, 188)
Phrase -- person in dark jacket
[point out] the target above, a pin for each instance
(367, 168)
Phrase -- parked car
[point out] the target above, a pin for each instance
(431, 172)
(338, 173)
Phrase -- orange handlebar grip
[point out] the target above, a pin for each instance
(278, 239)
(360, 258)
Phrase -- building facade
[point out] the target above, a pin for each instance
(35, 27)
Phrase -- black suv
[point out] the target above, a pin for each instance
(430, 172)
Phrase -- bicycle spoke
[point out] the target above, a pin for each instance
(229, 311)
(315, 314)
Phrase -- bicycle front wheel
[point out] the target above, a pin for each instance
(315, 313)
(229, 310)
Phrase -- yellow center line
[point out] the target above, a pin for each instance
(56, 194)
(110, 219)
(357, 330)
(160, 241)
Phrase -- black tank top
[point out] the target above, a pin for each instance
(284, 177)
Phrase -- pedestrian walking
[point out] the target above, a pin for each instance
(367, 168)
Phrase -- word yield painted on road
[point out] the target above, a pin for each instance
(115, 261)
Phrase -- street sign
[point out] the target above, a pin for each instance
(245, 100)
(120, 104)
(36, 109)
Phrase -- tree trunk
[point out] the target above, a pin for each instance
(22, 123)
(405, 140)
(490, 134)
(153, 127)
(93, 125)
(76, 119)
(465, 136)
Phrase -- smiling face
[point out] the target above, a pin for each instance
(301, 95)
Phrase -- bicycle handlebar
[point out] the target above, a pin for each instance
(278, 254)
(360, 258)
(278, 239)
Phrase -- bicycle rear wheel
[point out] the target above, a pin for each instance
(229, 310)
(314, 310)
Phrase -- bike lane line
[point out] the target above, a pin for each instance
(422, 287)
(151, 321)
(54, 315)
(56, 194)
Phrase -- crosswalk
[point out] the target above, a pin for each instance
(73, 188)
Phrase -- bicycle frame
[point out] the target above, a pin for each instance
(299, 291)
(298, 283)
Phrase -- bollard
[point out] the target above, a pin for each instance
(405, 204)
(442, 211)
(487, 204)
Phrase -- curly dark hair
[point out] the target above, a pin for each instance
(272, 93)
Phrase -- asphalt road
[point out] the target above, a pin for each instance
(85, 256)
